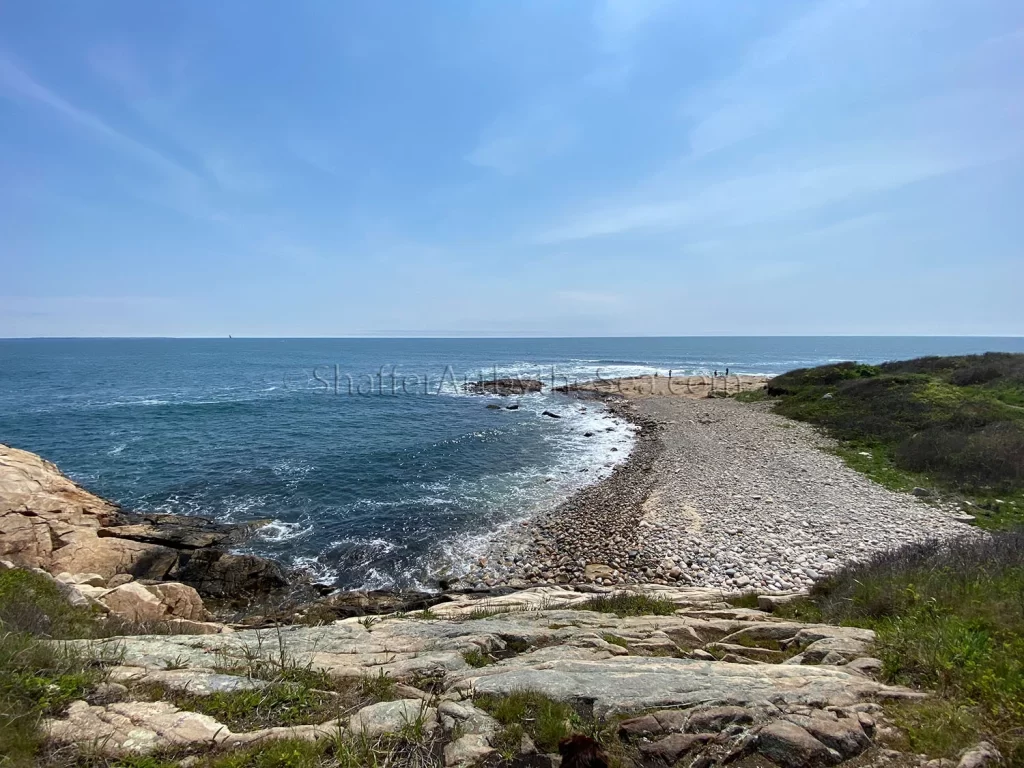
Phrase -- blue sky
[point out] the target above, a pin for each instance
(512, 168)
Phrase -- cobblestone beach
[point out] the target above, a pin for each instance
(716, 493)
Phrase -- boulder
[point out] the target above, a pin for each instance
(980, 756)
(157, 602)
(791, 746)
(80, 579)
(467, 719)
(181, 600)
(866, 665)
(467, 750)
(133, 602)
(844, 735)
(594, 571)
(769, 603)
(644, 725)
(391, 717)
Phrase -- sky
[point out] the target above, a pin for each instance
(572, 168)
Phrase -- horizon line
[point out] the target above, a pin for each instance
(532, 336)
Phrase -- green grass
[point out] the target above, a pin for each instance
(752, 396)
(37, 680)
(32, 603)
(953, 424)
(628, 605)
(282, 704)
(408, 749)
(746, 600)
(477, 658)
(546, 721)
(615, 640)
(949, 619)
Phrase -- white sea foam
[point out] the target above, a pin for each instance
(318, 571)
(278, 531)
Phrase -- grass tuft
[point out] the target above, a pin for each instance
(545, 720)
(624, 604)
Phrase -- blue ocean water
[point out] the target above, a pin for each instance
(375, 468)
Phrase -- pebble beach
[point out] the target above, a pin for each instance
(716, 493)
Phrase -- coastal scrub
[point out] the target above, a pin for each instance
(955, 424)
(949, 618)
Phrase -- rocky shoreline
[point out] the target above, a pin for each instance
(717, 493)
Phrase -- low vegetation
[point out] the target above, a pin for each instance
(544, 720)
(955, 424)
(37, 679)
(950, 619)
(409, 749)
(622, 604)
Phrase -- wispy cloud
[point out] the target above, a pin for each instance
(829, 177)
(16, 81)
(516, 144)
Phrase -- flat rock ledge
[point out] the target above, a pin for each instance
(695, 682)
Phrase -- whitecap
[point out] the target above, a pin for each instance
(278, 531)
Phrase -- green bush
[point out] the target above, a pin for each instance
(956, 423)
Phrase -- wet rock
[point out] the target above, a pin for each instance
(217, 574)
(504, 387)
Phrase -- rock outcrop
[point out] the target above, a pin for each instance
(49, 522)
(505, 387)
(541, 640)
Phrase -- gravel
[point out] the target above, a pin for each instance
(716, 493)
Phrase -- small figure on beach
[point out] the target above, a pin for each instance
(726, 373)
(716, 373)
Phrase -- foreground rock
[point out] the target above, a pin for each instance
(49, 522)
(540, 640)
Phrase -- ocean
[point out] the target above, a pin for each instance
(375, 469)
